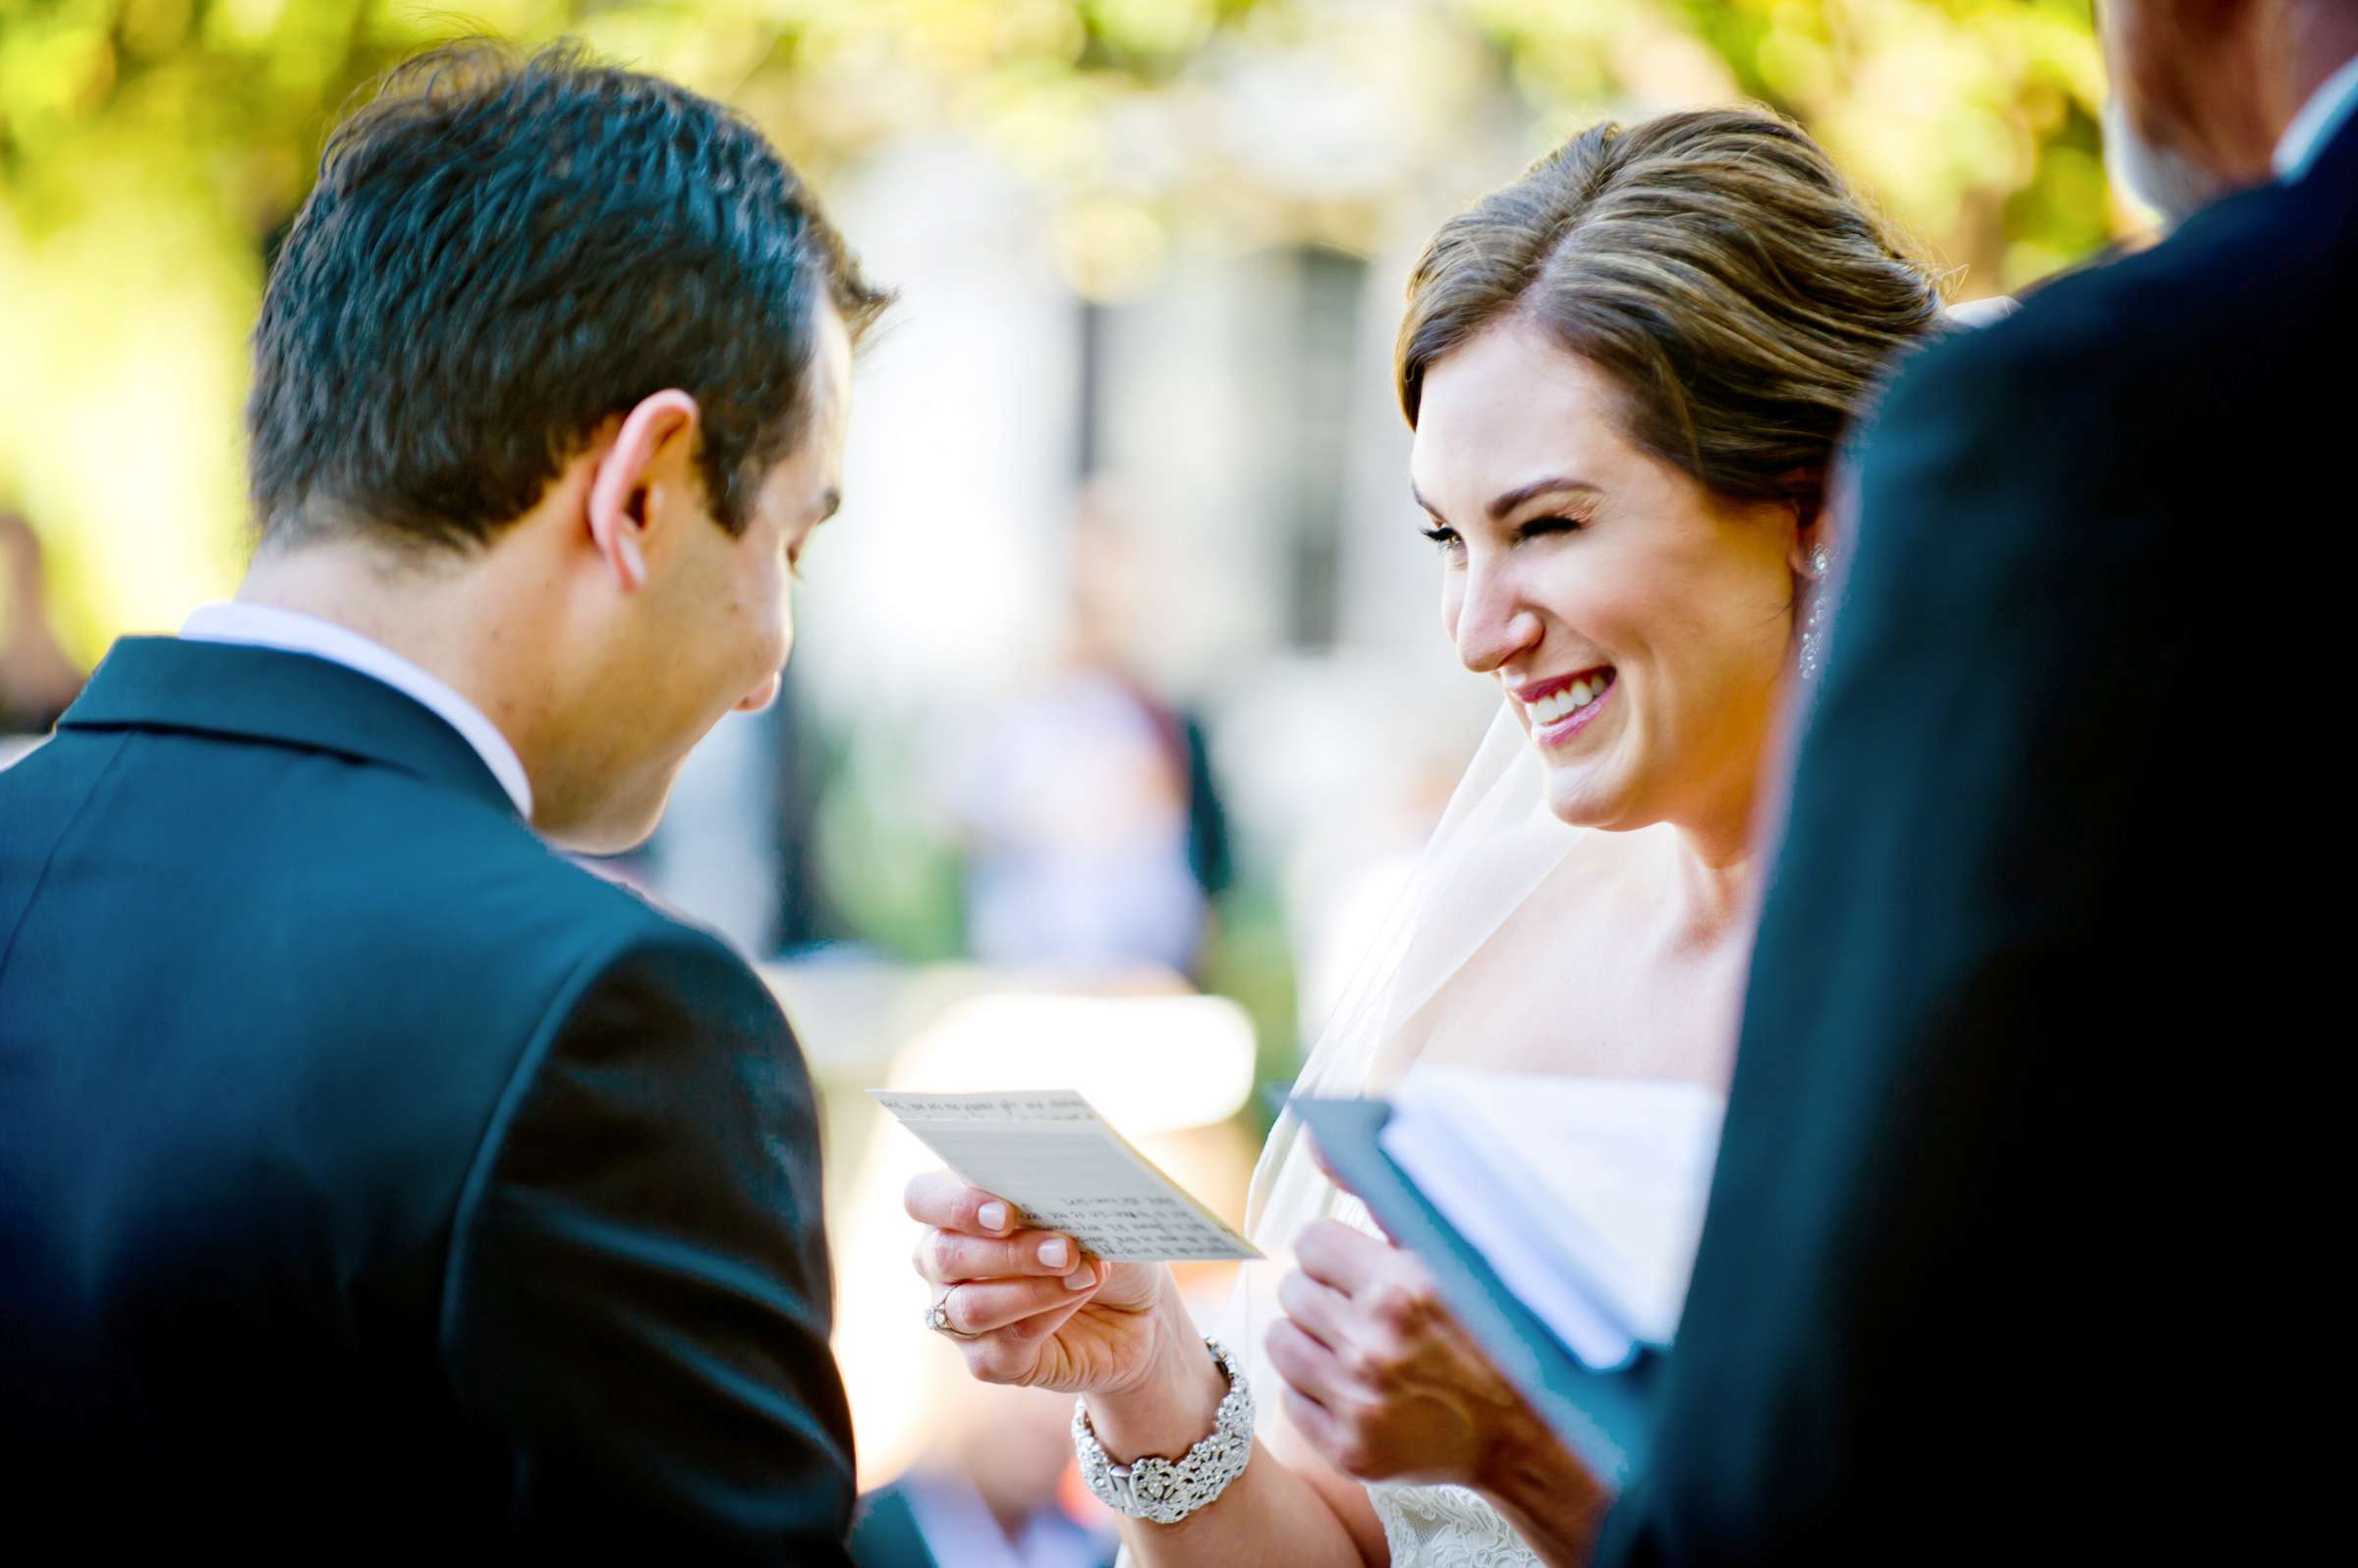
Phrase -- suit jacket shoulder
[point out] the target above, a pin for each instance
(2222, 335)
(638, 1294)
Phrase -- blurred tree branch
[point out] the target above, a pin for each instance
(151, 149)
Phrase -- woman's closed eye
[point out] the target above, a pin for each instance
(1539, 527)
(1452, 545)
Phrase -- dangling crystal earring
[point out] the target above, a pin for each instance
(1813, 620)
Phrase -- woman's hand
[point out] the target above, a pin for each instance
(1383, 1382)
(1041, 1315)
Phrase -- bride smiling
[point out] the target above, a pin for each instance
(1627, 373)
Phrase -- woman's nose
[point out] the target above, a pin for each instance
(1494, 621)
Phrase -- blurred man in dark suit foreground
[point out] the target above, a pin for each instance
(370, 1177)
(1998, 1266)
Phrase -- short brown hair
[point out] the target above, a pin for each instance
(1714, 263)
(505, 249)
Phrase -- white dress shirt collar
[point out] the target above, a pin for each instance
(2328, 108)
(264, 626)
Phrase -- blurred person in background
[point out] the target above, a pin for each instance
(369, 1172)
(39, 679)
(2021, 1229)
(1095, 836)
(989, 1493)
(1627, 373)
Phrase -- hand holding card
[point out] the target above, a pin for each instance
(1064, 1166)
(1037, 1177)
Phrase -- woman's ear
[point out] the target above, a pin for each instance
(1809, 553)
(618, 489)
(1811, 531)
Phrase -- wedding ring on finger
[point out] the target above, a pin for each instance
(937, 1319)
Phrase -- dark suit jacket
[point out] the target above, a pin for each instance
(1978, 1281)
(370, 1178)
(886, 1532)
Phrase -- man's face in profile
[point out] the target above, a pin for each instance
(712, 628)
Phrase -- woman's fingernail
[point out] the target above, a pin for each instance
(993, 1215)
(1081, 1278)
(1056, 1253)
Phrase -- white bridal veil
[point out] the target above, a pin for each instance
(1496, 845)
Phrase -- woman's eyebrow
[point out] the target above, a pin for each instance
(1554, 485)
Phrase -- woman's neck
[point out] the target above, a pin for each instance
(1711, 893)
(1710, 887)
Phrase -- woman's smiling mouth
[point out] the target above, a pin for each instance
(1560, 709)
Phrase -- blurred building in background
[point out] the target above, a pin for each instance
(1120, 676)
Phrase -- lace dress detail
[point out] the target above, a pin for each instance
(1446, 1527)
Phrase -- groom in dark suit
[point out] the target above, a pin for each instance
(2006, 1254)
(372, 1178)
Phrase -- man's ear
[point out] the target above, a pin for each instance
(618, 489)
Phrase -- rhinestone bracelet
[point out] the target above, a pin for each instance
(1162, 1491)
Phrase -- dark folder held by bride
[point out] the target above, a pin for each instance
(1560, 1218)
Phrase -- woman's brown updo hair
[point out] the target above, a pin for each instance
(1714, 264)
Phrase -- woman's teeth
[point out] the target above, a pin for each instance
(1571, 699)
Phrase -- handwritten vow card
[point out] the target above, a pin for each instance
(1056, 1158)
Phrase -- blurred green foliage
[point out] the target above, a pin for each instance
(149, 151)
(1250, 958)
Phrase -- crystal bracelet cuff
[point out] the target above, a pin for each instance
(1162, 1491)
